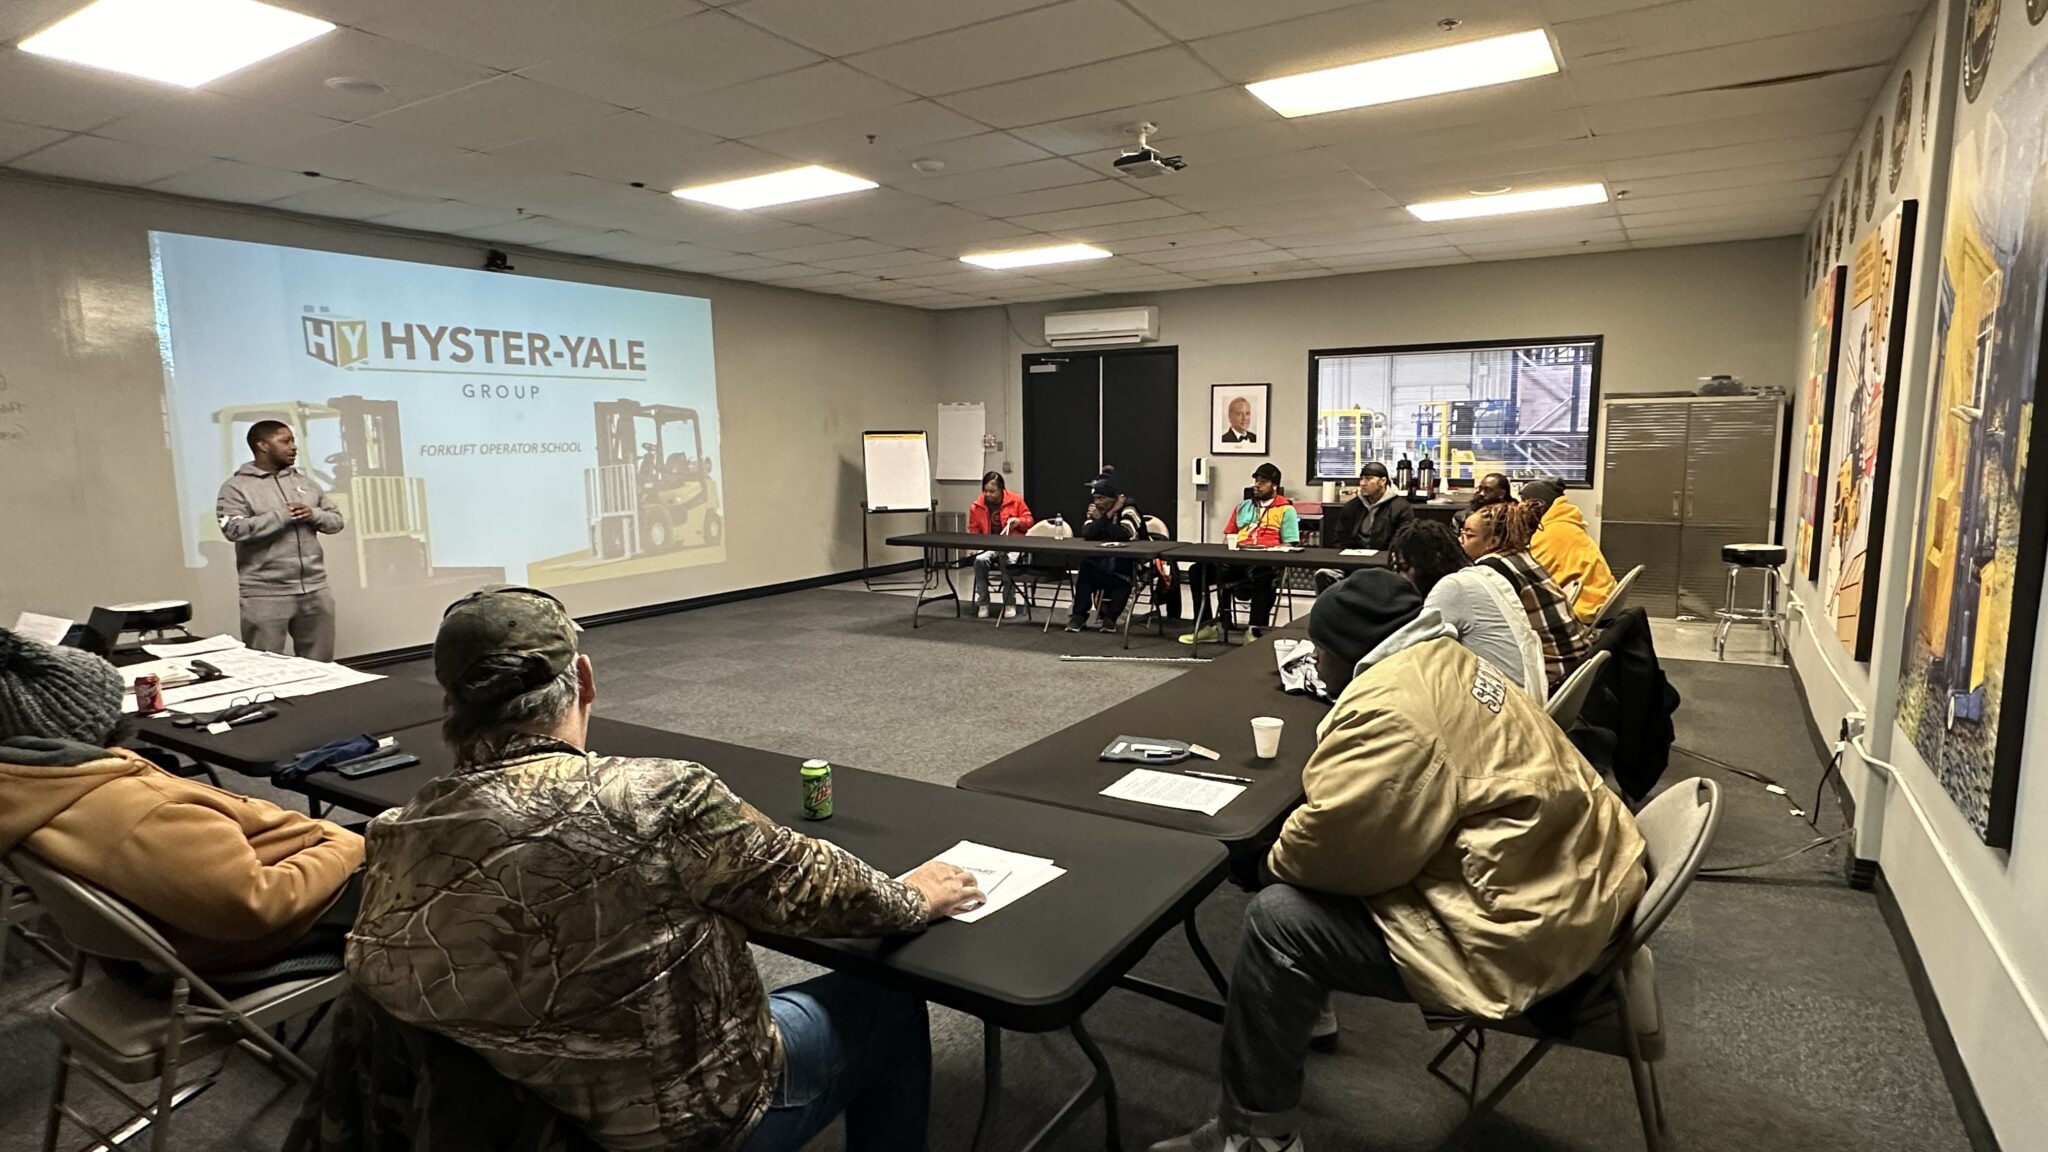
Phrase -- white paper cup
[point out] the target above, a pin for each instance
(1266, 735)
(1230, 541)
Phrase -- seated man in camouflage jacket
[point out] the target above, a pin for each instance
(581, 921)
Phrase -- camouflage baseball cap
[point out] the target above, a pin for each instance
(503, 620)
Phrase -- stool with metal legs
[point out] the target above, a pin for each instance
(1769, 558)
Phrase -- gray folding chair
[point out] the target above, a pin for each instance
(1618, 1013)
(1618, 600)
(18, 914)
(1571, 590)
(1570, 696)
(118, 1030)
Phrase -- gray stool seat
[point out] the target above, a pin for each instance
(1753, 555)
(1767, 559)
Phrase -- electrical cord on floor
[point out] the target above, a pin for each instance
(1818, 842)
(1819, 789)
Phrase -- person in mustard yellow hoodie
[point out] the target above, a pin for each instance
(1455, 850)
(1565, 549)
(232, 881)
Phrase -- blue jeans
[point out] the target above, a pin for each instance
(854, 1047)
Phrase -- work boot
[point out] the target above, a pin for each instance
(1210, 1138)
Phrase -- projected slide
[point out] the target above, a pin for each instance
(472, 426)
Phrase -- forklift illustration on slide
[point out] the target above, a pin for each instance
(653, 489)
(386, 510)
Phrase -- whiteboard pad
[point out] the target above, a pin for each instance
(899, 471)
(961, 427)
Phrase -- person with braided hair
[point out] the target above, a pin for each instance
(1497, 536)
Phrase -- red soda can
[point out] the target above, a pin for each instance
(149, 695)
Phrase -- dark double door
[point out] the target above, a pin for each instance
(1086, 409)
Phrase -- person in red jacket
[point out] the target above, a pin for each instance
(999, 512)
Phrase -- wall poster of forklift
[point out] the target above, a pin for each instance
(1524, 408)
(1983, 521)
(472, 426)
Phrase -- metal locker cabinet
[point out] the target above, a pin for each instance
(1731, 482)
(1642, 493)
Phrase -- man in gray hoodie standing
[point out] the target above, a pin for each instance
(275, 516)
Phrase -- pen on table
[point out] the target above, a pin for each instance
(1215, 776)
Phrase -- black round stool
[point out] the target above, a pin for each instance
(1768, 558)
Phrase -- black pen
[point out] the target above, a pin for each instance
(1214, 776)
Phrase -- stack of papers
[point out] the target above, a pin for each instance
(1172, 790)
(1368, 552)
(36, 626)
(247, 673)
(1004, 877)
(219, 643)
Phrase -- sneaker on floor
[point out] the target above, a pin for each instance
(1323, 1037)
(981, 611)
(1210, 1138)
(1108, 626)
(1076, 625)
(1206, 634)
(1010, 613)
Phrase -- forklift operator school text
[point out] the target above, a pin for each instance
(506, 448)
(436, 343)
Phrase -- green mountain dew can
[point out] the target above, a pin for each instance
(817, 776)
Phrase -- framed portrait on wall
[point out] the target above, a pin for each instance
(1237, 419)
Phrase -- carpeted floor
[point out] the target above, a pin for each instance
(1792, 1024)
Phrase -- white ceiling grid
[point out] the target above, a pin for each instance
(562, 124)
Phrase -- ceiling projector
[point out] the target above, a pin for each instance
(1145, 161)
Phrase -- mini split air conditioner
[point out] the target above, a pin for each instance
(1110, 326)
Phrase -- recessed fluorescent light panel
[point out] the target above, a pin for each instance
(1475, 64)
(785, 187)
(1033, 257)
(1509, 203)
(182, 42)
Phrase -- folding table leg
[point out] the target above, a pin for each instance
(991, 1084)
(1207, 961)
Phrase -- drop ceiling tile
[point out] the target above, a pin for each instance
(1735, 130)
(1678, 28)
(894, 128)
(623, 147)
(729, 160)
(1549, 228)
(511, 34)
(216, 125)
(1026, 44)
(477, 178)
(1855, 89)
(1511, 170)
(1819, 166)
(528, 230)
(1242, 260)
(20, 18)
(1280, 168)
(239, 183)
(1181, 116)
(1204, 149)
(825, 210)
(1832, 144)
(1084, 195)
(1028, 177)
(355, 152)
(1419, 258)
(495, 113)
(1072, 219)
(350, 201)
(53, 94)
(695, 54)
(451, 216)
(1144, 229)
(1174, 258)
(1193, 19)
(1638, 203)
(1329, 253)
(1755, 210)
(1871, 42)
(1317, 215)
(822, 280)
(791, 99)
(1354, 33)
(1397, 146)
(1261, 193)
(719, 265)
(829, 250)
(843, 27)
(882, 263)
(1159, 74)
(771, 239)
(109, 161)
(1559, 11)
(775, 273)
(297, 79)
(601, 244)
(21, 139)
(1675, 234)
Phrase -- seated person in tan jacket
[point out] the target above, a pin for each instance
(1455, 851)
(233, 882)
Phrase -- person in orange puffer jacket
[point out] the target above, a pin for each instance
(999, 512)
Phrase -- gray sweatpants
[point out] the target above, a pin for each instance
(1298, 947)
(307, 617)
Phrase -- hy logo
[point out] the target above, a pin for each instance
(333, 339)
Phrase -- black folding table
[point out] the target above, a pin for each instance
(1035, 966)
(379, 708)
(1039, 547)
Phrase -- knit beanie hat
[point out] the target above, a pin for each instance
(1544, 490)
(1105, 485)
(56, 693)
(1353, 616)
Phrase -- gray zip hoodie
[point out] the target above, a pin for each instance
(275, 555)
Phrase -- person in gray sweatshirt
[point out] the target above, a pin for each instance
(275, 515)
